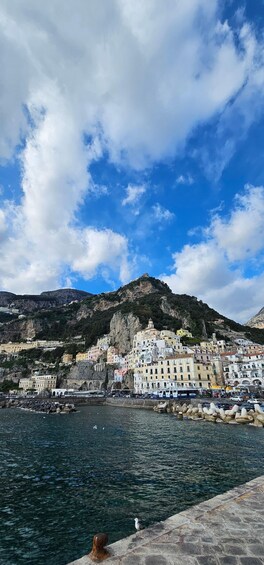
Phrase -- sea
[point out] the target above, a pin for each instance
(65, 478)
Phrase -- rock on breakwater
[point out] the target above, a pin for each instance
(39, 405)
(213, 413)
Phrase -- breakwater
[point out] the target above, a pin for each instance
(234, 415)
(39, 405)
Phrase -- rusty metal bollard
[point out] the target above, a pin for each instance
(99, 553)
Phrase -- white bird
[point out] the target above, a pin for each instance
(138, 524)
(95, 427)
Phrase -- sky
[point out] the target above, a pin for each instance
(131, 141)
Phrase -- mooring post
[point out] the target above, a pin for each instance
(99, 552)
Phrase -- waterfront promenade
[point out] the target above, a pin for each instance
(225, 530)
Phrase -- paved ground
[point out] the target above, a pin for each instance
(225, 530)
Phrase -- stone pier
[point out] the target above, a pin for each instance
(225, 530)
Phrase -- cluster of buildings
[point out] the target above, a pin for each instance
(160, 362)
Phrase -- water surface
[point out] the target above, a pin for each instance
(62, 481)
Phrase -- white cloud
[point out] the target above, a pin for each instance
(3, 225)
(215, 269)
(184, 179)
(162, 214)
(125, 78)
(242, 234)
(133, 194)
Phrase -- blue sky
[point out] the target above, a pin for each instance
(131, 141)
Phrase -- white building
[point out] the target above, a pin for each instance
(245, 370)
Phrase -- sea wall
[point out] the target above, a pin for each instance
(226, 529)
(146, 403)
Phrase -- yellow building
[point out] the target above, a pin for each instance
(82, 357)
(184, 333)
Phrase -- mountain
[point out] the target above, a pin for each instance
(122, 313)
(257, 321)
(27, 303)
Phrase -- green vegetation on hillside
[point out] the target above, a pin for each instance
(167, 310)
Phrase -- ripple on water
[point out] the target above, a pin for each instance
(62, 480)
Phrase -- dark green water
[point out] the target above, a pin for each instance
(63, 481)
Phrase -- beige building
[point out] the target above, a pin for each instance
(174, 372)
(111, 355)
(38, 382)
(67, 358)
(16, 347)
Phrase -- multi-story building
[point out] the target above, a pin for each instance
(82, 357)
(244, 370)
(39, 383)
(183, 333)
(150, 345)
(16, 347)
(103, 342)
(111, 354)
(177, 371)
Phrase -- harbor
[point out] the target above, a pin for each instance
(67, 478)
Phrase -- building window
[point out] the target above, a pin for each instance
(189, 377)
(175, 378)
(181, 378)
(168, 370)
(208, 377)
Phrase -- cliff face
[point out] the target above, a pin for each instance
(257, 321)
(123, 327)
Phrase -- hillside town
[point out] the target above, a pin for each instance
(160, 363)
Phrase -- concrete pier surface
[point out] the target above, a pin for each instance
(225, 530)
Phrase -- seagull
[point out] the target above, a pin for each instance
(95, 427)
(138, 524)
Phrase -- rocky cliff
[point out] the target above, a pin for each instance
(257, 321)
(123, 327)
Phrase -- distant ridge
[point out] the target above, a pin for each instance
(47, 299)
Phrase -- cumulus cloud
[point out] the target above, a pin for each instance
(126, 79)
(215, 269)
(241, 235)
